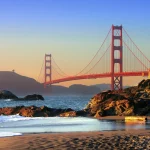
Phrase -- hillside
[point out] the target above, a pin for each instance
(22, 85)
(19, 84)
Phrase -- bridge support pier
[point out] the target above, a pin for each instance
(116, 57)
(48, 69)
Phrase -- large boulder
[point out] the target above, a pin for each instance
(33, 111)
(4, 94)
(68, 114)
(131, 101)
(109, 103)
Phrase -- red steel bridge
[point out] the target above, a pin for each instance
(117, 57)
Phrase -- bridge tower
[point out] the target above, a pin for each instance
(48, 69)
(116, 57)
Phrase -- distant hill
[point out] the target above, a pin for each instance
(83, 89)
(104, 86)
(22, 85)
(19, 84)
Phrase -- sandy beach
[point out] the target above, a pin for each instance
(115, 140)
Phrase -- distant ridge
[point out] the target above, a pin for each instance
(23, 85)
(18, 84)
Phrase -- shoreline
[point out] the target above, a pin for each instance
(139, 139)
(112, 139)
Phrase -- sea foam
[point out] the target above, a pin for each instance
(4, 134)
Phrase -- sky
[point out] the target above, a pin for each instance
(67, 29)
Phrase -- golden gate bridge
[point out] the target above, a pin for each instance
(117, 57)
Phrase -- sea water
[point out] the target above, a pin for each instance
(17, 125)
(76, 102)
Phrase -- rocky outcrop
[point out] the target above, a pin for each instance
(43, 111)
(109, 103)
(131, 101)
(33, 97)
(4, 94)
(33, 111)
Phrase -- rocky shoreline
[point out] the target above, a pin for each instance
(43, 111)
(133, 101)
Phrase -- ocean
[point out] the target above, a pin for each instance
(76, 102)
(18, 125)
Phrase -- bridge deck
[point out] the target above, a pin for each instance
(95, 76)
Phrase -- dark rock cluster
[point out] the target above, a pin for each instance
(33, 97)
(4, 94)
(7, 95)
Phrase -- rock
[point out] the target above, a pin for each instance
(33, 97)
(82, 113)
(104, 103)
(4, 94)
(68, 114)
(33, 111)
(26, 111)
(6, 111)
(73, 113)
(131, 101)
(43, 111)
(144, 84)
(99, 113)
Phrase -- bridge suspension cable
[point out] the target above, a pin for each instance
(64, 74)
(99, 59)
(136, 45)
(135, 56)
(57, 73)
(95, 54)
(38, 78)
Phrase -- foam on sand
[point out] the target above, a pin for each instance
(4, 134)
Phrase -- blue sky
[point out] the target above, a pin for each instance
(68, 29)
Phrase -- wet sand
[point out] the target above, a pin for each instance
(113, 140)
